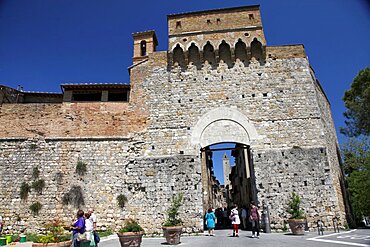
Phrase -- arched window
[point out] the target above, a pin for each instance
(194, 55)
(241, 51)
(143, 48)
(225, 53)
(256, 50)
(209, 54)
(178, 56)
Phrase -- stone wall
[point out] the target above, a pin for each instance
(114, 167)
(305, 171)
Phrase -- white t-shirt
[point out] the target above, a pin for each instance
(92, 218)
(89, 225)
(235, 216)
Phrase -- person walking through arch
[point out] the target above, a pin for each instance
(235, 220)
(254, 218)
(210, 222)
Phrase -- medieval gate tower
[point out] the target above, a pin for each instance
(148, 140)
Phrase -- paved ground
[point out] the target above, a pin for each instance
(223, 238)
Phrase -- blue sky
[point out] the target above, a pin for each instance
(44, 43)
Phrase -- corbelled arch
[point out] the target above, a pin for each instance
(223, 124)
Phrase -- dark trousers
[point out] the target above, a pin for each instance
(256, 227)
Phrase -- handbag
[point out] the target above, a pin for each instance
(81, 236)
(96, 237)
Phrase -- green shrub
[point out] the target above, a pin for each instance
(131, 226)
(74, 197)
(35, 173)
(173, 211)
(54, 234)
(81, 168)
(25, 189)
(33, 146)
(121, 200)
(35, 208)
(294, 207)
(38, 185)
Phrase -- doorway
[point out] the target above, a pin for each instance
(227, 176)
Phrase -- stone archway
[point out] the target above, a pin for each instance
(225, 125)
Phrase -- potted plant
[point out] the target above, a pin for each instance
(55, 236)
(131, 234)
(297, 220)
(172, 228)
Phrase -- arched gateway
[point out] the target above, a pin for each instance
(226, 125)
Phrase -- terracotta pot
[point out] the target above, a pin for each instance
(172, 234)
(130, 239)
(60, 244)
(297, 226)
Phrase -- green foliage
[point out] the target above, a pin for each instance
(33, 146)
(131, 226)
(74, 197)
(121, 200)
(105, 233)
(38, 185)
(15, 238)
(357, 102)
(356, 153)
(35, 172)
(173, 211)
(294, 207)
(25, 189)
(54, 234)
(35, 208)
(81, 168)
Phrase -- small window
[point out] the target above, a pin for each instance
(178, 24)
(86, 96)
(117, 96)
(143, 48)
(208, 22)
(251, 17)
(218, 21)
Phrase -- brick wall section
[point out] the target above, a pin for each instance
(70, 120)
(237, 18)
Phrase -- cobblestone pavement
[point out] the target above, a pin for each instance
(223, 238)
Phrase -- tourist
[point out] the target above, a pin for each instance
(244, 217)
(254, 218)
(78, 228)
(1, 224)
(235, 220)
(210, 222)
(93, 220)
(225, 217)
(89, 229)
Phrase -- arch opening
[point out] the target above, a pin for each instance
(256, 50)
(209, 54)
(241, 51)
(225, 53)
(143, 51)
(179, 56)
(194, 55)
(227, 179)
